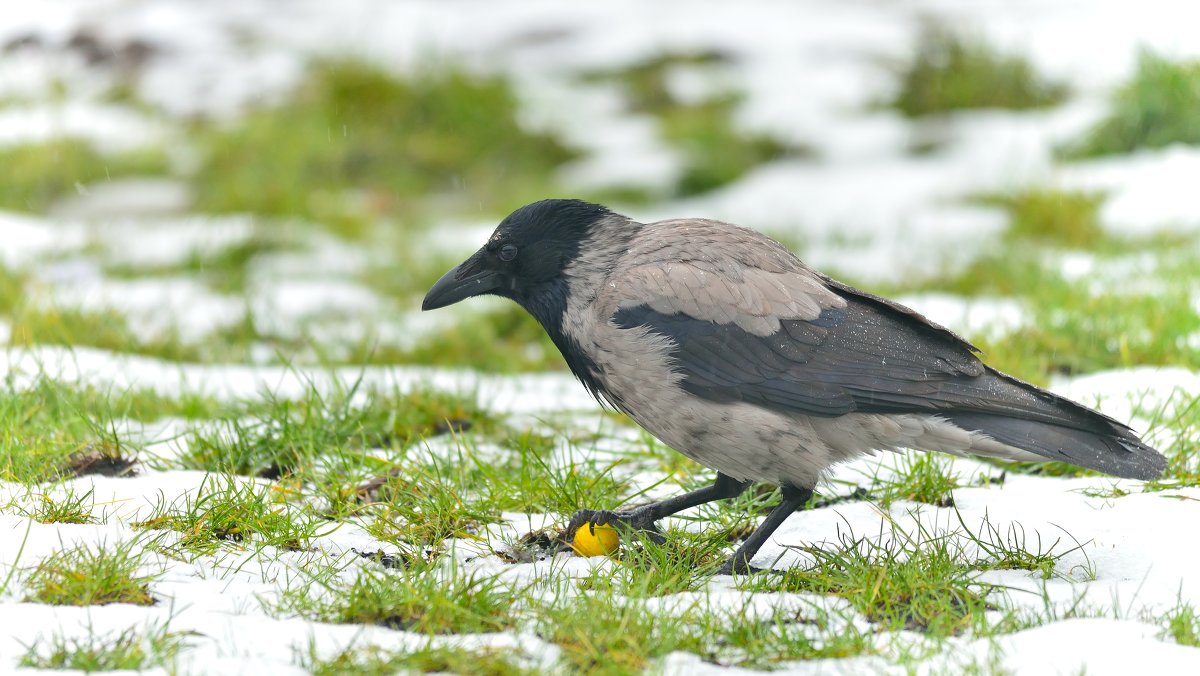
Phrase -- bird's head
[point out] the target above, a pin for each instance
(524, 257)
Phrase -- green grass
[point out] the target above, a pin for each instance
(33, 176)
(87, 576)
(425, 501)
(1180, 419)
(425, 505)
(349, 448)
(70, 507)
(644, 83)
(735, 637)
(60, 401)
(49, 430)
(354, 144)
(715, 152)
(1155, 108)
(949, 72)
(1054, 217)
(277, 436)
(898, 581)
(602, 634)
(685, 562)
(225, 509)
(599, 635)
(36, 321)
(1183, 625)
(54, 430)
(12, 290)
(405, 270)
(920, 477)
(1013, 548)
(530, 480)
(418, 599)
(655, 456)
(131, 649)
(502, 340)
(372, 661)
(412, 496)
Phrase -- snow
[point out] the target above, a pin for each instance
(153, 307)
(1145, 188)
(626, 152)
(991, 318)
(112, 128)
(1121, 393)
(811, 73)
(523, 394)
(1139, 563)
(121, 198)
(26, 237)
(164, 242)
(1113, 647)
(282, 305)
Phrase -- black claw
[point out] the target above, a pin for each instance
(742, 567)
(728, 567)
(592, 517)
(602, 517)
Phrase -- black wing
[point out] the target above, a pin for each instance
(862, 357)
(875, 356)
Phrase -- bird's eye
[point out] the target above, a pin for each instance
(508, 252)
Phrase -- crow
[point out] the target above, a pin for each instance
(726, 347)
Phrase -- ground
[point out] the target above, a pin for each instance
(233, 443)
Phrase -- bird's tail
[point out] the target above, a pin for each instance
(1098, 443)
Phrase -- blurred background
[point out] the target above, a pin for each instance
(258, 181)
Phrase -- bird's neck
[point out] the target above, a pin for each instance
(598, 256)
(550, 305)
(572, 293)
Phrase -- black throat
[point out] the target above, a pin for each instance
(548, 305)
(562, 234)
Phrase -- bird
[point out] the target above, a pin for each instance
(725, 346)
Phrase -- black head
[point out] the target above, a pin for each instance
(525, 256)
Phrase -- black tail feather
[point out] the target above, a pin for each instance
(1109, 448)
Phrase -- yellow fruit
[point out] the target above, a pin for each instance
(604, 542)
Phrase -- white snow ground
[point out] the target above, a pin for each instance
(810, 71)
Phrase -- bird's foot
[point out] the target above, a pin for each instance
(636, 520)
(739, 566)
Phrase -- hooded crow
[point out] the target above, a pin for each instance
(726, 347)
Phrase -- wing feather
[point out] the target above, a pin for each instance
(748, 322)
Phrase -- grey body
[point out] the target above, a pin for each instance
(725, 346)
(742, 440)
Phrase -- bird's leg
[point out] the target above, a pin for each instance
(643, 518)
(793, 499)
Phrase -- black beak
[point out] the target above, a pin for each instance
(469, 279)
